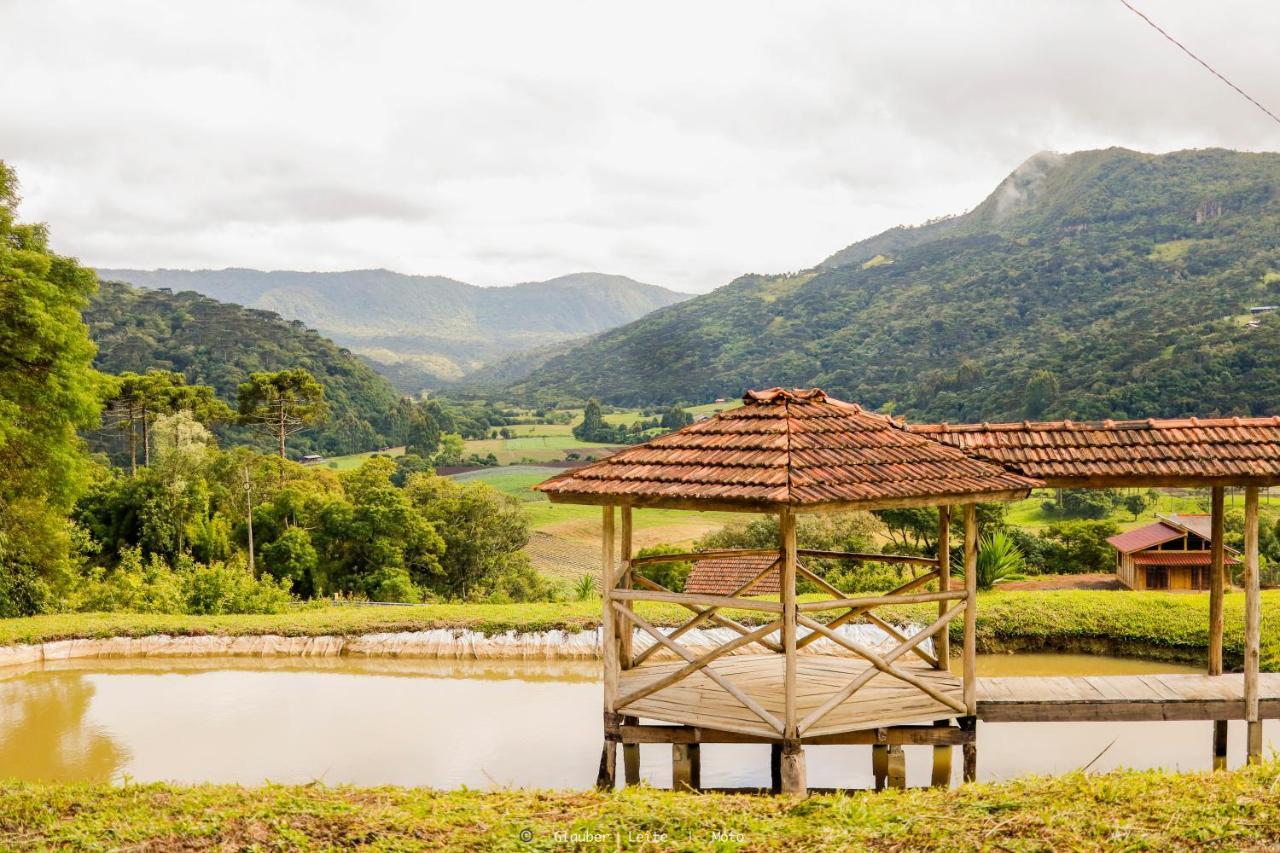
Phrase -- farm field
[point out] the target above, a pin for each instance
(1030, 515)
(355, 460)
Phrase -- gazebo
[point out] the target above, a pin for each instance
(783, 453)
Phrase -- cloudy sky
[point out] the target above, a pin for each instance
(680, 143)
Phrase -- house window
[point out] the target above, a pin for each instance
(1157, 577)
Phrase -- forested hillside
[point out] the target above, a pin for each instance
(218, 344)
(425, 331)
(1097, 284)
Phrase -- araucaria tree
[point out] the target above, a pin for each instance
(282, 403)
(48, 391)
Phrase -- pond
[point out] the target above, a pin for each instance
(483, 724)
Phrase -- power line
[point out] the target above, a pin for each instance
(1210, 68)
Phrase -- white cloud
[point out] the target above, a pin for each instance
(509, 141)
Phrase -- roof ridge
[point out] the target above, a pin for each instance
(1131, 424)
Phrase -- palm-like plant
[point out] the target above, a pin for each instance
(585, 588)
(998, 559)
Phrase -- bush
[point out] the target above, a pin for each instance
(153, 586)
(671, 575)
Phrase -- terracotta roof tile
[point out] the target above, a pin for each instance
(725, 575)
(798, 448)
(1178, 558)
(1182, 448)
(1144, 537)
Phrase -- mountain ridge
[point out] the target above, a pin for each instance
(427, 331)
(1114, 279)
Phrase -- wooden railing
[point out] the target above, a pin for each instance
(628, 587)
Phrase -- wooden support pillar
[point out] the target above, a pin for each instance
(686, 766)
(971, 609)
(608, 774)
(793, 765)
(970, 749)
(1252, 627)
(1217, 579)
(1217, 589)
(880, 765)
(631, 756)
(942, 643)
(941, 776)
(626, 632)
(897, 766)
(775, 768)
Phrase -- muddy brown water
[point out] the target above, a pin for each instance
(483, 724)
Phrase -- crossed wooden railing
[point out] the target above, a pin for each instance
(621, 596)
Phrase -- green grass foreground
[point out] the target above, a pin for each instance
(1113, 811)
(1151, 623)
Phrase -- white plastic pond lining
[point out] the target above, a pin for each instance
(439, 643)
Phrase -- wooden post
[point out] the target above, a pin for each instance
(1252, 627)
(942, 644)
(970, 750)
(793, 766)
(607, 776)
(630, 751)
(941, 777)
(775, 768)
(880, 764)
(1217, 589)
(686, 766)
(897, 766)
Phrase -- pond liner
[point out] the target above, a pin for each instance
(442, 643)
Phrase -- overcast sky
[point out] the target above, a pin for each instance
(679, 143)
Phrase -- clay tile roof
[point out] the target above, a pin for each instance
(1144, 537)
(725, 575)
(795, 448)
(1061, 452)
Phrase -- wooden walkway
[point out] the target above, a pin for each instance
(886, 701)
(698, 701)
(1123, 697)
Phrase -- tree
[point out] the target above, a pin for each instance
(1042, 390)
(675, 418)
(141, 398)
(283, 403)
(593, 426)
(1079, 546)
(484, 534)
(1136, 503)
(48, 391)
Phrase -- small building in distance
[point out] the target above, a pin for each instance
(312, 459)
(1172, 553)
(727, 574)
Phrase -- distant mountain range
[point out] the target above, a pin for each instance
(427, 331)
(1088, 285)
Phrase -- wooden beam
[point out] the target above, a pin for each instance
(912, 735)
(722, 621)
(694, 556)
(970, 611)
(943, 644)
(881, 600)
(770, 507)
(856, 684)
(626, 635)
(1252, 628)
(608, 628)
(787, 535)
(693, 665)
(858, 611)
(867, 558)
(1217, 579)
(732, 689)
(685, 598)
(686, 766)
(709, 614)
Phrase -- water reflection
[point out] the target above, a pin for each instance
(446, 723)
(45, 732)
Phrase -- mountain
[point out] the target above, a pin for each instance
(219, 344)
(424, 331)
(1090, 285)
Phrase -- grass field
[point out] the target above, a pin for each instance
(1123, 810)
(355, 460)
(1030, 515)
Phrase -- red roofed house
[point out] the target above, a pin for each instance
(1172, 553)
(725, 575)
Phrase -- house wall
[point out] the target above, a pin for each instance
(1179, 578)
